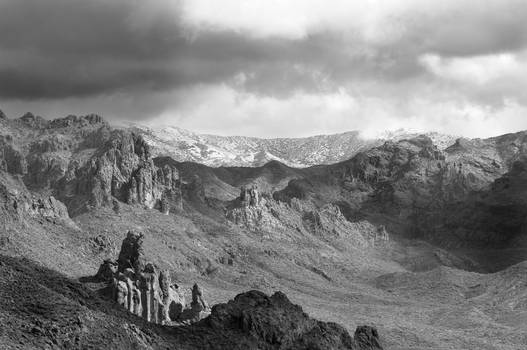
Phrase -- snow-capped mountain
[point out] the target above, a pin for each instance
(213, 150)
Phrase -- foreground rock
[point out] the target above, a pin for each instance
(275, 323)
(146, 291)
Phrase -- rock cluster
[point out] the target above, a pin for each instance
(86, 164)
(122, 169)
(146, 291)
(249, 196)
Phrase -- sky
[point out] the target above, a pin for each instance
(270, 68)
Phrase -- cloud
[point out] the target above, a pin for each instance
(203, 109)
(489, 79)
(475, 70)
(263, 61)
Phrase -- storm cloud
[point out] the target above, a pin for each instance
(231, 66)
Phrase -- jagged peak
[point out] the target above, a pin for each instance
(31, 120)
(71, 120)
(80, 121)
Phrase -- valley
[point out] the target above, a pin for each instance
(425, 242)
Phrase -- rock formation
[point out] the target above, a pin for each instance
(11, 158)
(131, 254)
(18, 204)
(146, 291)
(279, 324)
(199, 308)
(86, 164)
(249, 196)
(123, 169)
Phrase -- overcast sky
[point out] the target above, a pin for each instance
(270, 68)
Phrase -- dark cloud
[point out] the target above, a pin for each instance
(78, 49)
(71, 48)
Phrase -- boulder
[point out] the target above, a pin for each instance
(107, 271)
(132, 253)
(199, 309)
(367, 338)
(278, 323)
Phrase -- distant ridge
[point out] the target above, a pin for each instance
(213, 150)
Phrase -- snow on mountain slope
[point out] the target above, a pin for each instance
(213, 150)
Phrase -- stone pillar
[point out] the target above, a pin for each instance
(164, 288)
(145, 295)
(137, 307)
(122, 293)
(154, 304)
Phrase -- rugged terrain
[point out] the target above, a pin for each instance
(423, 242)
(213, 150)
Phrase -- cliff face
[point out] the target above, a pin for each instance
(86, 164)
(121, 169)
(18, 205)
(495, 215)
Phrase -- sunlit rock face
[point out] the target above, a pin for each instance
(86, 164)
(143, 289)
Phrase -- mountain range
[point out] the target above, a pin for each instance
(212, 150)
(421, 237)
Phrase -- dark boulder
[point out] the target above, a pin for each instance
(276, 323)
(132, 253)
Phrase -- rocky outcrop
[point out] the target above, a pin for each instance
(132, 254)
(32, 121)
(86, 164)
(12, 159)
(122, 169)
(107, 271)
(18, 204)
(146, 291)
(279, 324)
(76, 121)
(367, 338)
(249, 196)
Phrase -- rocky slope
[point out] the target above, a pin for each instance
(44, 309)
(186, 146)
